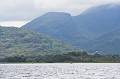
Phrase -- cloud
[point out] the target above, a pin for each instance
(17, 9)
(13, 23)
(12, 10)
(71, 6)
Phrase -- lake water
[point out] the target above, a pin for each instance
(60, 71)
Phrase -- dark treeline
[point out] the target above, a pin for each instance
(70, 57)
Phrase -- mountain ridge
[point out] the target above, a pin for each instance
(81, 29)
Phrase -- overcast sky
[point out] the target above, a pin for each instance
(21, 11)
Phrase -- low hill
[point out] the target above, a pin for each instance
(18, 41)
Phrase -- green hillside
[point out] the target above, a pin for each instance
(17, 41)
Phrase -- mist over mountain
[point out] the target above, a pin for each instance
(91, 28)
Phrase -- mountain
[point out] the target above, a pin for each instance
(18, 41)
(99, 20)
(101, 24)
(108, 43)
(59, 25)
(83, 29)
